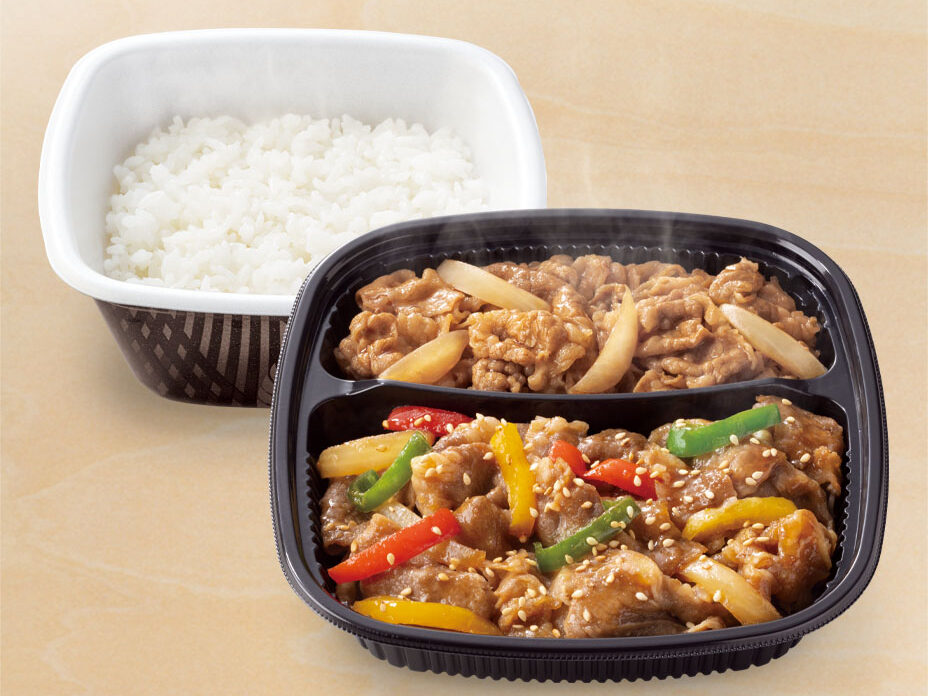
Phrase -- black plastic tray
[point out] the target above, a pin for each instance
(314, 407)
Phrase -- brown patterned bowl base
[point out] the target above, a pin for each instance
(219, 359)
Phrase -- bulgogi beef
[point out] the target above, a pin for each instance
(684, 340)
(747, 524)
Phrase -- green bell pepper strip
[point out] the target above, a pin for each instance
(690, 442)
(368, 492)
(616, 518)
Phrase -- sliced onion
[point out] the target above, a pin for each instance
(487, 287)
(616, 356)
(357, 456)
(398, 513)
(735, 593)
(773, 342)
(429, 362)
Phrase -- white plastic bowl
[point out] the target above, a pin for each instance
(222, 348)
(117, 93)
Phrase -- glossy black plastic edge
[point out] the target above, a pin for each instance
(674, 655)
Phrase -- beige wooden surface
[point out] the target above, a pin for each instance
(137, 550)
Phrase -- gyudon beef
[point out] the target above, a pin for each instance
(684, 340)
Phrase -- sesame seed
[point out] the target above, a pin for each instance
(384, 425)
(537, 488)
(503, 421)
(754, 441)
(453, 564)
(568, 558)
(610, 578)
(557, 485)
(667, 543)
(650, 519)
(733, 439)
(436, 530)
(587, 505)
(749, 481)
(542, 590)
(498, 559)
(687, 499)
(640, 470)
(805, 458)
(683, 472)
(533, 628)
(488, 456)
(533, 512)
(637, 480)
(577, 594)
(758, 526)
(449, 428)
(651, 545)
(522, 615)
(710, 495)
(641, 596)
(585, 458)
(586, 615)
(565, 492)
(428, 418)
(765, 453)
(556, 633)
(774, 451)
(579, 481)
(630, 511)
(405, 592)
(479, 416)
(532, 562)
(654, 474)
(465, 477)
(757, 475)
(530, 591)
(614, 544)
(678, 484)
(354, 546)
(391, 559)
(614, 524)
(443, 576)
(789, 419)
(418, 421)
(591, 541)
(343, 527)
(533, 466)
(717, 597)
(786, 402)
(762, 539)
(665, 526)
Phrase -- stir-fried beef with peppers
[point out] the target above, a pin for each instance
(584, 325)
(542, 529)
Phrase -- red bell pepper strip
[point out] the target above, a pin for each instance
(397, 548)
(621, 474)
(570, 454)
(434, 420)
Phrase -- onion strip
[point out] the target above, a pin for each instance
(429, 362)
(773, 342)
(485, 286)
(354, 457)
(727, 587)
(616, 356)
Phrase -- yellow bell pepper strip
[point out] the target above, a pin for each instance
(727, 587)
(427, 614)
(717, 520)
(510, 455)
(690, 442)
(355, 457)
(616, 518)
(397, 548)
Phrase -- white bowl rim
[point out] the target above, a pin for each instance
(52, 188)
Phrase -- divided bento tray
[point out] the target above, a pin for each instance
(315, 407)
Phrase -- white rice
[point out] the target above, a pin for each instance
(215, 204)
